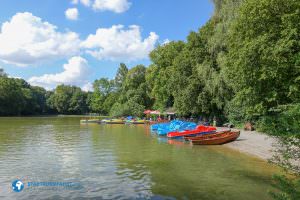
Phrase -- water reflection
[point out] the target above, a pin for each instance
(122, 162)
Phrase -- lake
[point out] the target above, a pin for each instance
(121, 162)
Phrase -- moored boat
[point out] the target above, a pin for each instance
(201, 136)
(175, 125)
(141, 121)
(84, 121)
(113, 121)
(198, 130)
(216, 139)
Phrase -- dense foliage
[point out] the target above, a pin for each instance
(19, 98)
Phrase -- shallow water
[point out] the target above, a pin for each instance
(121, 162)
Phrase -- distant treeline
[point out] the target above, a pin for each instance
(242, 65)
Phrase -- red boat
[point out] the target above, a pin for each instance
(215, 139)
(199, 130)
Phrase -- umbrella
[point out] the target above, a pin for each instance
(155, 112)
(147, 112)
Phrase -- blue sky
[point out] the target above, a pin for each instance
(48, 56)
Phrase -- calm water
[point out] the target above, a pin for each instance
(121, 162)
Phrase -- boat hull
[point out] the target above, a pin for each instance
(89, 121)
(114, 122)
(202, 136)
(137, 122)
(216, 139)
(194, 132)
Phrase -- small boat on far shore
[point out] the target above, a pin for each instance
(215, 139)
(112, 121)
(141, 121)
(85, 121)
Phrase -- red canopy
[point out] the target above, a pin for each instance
(147, 112)
(154, 112)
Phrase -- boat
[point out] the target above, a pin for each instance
(113, 121)
(198, 130)
(136, 121)
(216, 139)
(139, 122)
(84, 121)
(163, 129)
(200, 136)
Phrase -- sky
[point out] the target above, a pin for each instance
(52, 42)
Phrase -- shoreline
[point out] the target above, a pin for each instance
(255, 144)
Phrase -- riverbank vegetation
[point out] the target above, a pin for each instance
(243, 65)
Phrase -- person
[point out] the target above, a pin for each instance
(215, 121)
(159, 119)
(169, 117)
(200, 120)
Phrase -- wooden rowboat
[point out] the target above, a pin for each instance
(203, 136)
(216, 139)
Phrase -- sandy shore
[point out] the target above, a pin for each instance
(255, 144)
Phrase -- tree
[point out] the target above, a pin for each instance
(78, 102)
(159, 74)
(262, 58)
(11, 97)
(121, 75)
(68, 100)
(102, 90)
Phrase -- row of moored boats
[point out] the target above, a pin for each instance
(115, 121)
(196, 134)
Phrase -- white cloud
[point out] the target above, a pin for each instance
(76, 72)
(166, 41)
(72, 13)
(117, 6)
(26, 40)
(17, 77)
(117, 43)
(88, 87)
(84, 2)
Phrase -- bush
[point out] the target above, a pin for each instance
(283, 121)
(289, 189)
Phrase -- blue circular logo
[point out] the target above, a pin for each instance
(17, 185)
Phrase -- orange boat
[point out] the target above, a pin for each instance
(215, 139)
(199, 137)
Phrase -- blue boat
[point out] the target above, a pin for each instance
(175, 125)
